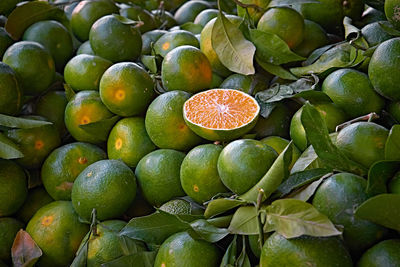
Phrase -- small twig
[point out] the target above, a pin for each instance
(248, 5)
(93, 224)
(370, 117)
(259, 222)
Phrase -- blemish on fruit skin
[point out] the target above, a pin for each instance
(165, 46)
(85, 120)
(119, 94)
(82, 160)
(163, 264)
(47, 220)
(89, 174)
(39, 144)
(195, 188)
(118, 144)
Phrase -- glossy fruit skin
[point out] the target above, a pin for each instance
(189, 10)
(126, 89)
(5, 41)
(85, 48)
(383, 62)
(174, 39)
(83, 72)
(352, 91)
(158, 176)
(314, 37)
(10, 92)
(115, 41)
(363, 142)
(285, 22)
(165, 124)
(303, 251)
(139, 14)
(385, 253)
(54, 37)
(205, 16)
(199, 174)
(86, 13)
(186, 68)
(181, 206)
(394, 185)
(182, 250)
(57, 231)
(250, 84)
(374, 34)
(37, 198)
(243, 163)
(63, 166)
(8, 229)
(33, 65)
(279, 144)
(109, 186)
(392, 12)
(150, 37)
(338, 197)
(129, 141)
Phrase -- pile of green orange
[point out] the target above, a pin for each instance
(200, 133)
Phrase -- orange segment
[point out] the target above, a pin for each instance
(221, 109)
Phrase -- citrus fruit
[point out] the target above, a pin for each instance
(35, 143)
(239, 164)
(182, 250)
(304, 251)
(165, 124)
(86, 13)
(371, 15)
(140, 207)
(114, 40)
(109, 186)
(394, 184)
(338, 197)
(8, 229)
(254, 14)
(126, 89)
(332, 115)
(164, 18)
(205, 16)
(85, 107)
(6, 6)
(285, 22)
(56, 229)
(385, 253)
(105, 246)
(374, 33)
(10, 92)
(208, 50)
(83, 72)
(54, 37)
(186, 68)
(189, 10)
(171, 40)
(199, 174)
(52, 106)
(129, 141)
(181, 206)
(384, 61)
(314, 37)
(37, 198)
(64, 164)
(85, 48)
(221, 114)
(158, 176)
(392, 12)
(250, 84)
(216, 80)
(279, 144)
(137, 13)
(5, 41)
(33, 65)
(363, 142)
(352, 91)
(148, 40)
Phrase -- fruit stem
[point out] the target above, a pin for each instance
(257, 8)
(93, 224)
(370, 117)
(259, 222)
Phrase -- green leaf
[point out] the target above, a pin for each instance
(233, 50)
(317, 134)
(390, 29)
(80, 259)
(15, 122)
(221, 222)
(272, 49)
(276, 70)
(26, 14)
(142, 259)
(229, 257)
(277, 3)
(278, 172)
(150, 63)
(191, 27)
(379, 174)
(244, 221)
(69, 92)
(293, 218)
(317, 53)
(100, 128)
(307, 191)
(125, 20)
(243, 260)
(300, 179)
(8, 149)
(24, 252)
(392, 146)
(130, 246)
(221, 205)
(201, 229)
(382, 209)
(307, 161)
(349, 28)
(154, 228)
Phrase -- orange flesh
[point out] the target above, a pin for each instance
(221, 109)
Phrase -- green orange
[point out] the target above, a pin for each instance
(392, 12)
(385, 253)
(137, 13)
(109, 186)
(129, 141)
(181, 206)
(173, 39)
(250, 84)
(158, 175)
(5, 41)
(394, 184)
(205, 16)
(126, 89)
(254, 14)
(189, 10)
(182, 250)
(85, 48)
(374, 34)
(56, 229)
(37, 198)
(8, 230)
(199, 174)
(148, 40)
(10, 92)
(279, 144)
(165, 124)
(314, 37)
(64, 164)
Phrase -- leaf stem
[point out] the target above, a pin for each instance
(93, 224)
(257, 8)
(259, 222)
(369, 117)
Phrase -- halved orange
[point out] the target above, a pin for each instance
(221, 114)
